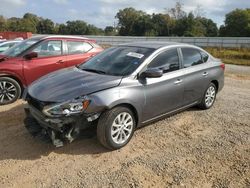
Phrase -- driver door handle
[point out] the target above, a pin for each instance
(205, 74)
(178, 81)
(60, 62)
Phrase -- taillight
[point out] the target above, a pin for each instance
(222, 66)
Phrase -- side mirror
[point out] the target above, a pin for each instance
(152, 73)
(31, 55)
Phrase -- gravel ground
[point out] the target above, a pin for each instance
(236, 71)
(194, 148)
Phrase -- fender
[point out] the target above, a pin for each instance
(106, 100)
(13, 75)
(136, 107)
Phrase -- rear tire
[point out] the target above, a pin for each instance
(10, 90)
(116, 127)
(209, 97)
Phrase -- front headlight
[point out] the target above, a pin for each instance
(75, 106)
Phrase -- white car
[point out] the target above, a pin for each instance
(8, 44)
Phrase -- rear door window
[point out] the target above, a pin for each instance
(78, 47)
(191, 57)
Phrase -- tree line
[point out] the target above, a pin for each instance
(132, 22)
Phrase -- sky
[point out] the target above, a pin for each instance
(101, 13)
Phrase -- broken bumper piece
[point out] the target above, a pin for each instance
(56, 130)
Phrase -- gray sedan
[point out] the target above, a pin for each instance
(121, 89)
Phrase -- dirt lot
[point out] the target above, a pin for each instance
(191, 149)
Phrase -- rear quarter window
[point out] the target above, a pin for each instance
(191, 57)
(204, 56)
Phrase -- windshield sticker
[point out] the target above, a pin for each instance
(136, 55)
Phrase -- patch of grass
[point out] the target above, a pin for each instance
(105, 46)
(237, 61)
(231, 56)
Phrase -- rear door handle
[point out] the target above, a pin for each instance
(60, 62)
(178, 81)
(205, 74)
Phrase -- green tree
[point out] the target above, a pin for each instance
(13, 24)
(110, 31)
(195, 27)
(34, 19)
(192, 26)
(237, 24)
(163, 24)
(3, 24)
(126, 20)
(26, 25)
(143, 26)
(45, 26)
(210, 26)
(77, 27)
(20, 24)
(62, 29)
(93, 30)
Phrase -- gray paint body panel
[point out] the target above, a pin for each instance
(150, 97)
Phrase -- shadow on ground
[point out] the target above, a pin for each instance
(17, 143)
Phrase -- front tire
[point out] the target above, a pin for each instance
(116, 127)
(10, 90)
(209, 97)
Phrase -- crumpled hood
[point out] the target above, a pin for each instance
(69, 83)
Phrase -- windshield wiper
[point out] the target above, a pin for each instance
(94, 70)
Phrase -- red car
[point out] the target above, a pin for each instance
(37, 56)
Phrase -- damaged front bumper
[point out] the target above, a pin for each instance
(57, 130)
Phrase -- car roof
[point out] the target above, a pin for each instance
(9, 41)
(39, 37)
(155, 44)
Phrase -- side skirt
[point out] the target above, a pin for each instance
(169, 113)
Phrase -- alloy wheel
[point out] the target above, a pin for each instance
(121, 128)
(8, 91)
(210, 96)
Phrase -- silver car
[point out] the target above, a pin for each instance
(8, 44)
(121, 89)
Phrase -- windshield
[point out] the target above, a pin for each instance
(117, 61)
(19, 48)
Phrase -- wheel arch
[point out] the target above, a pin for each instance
(216, 83)
(132, 108)
(14, 78)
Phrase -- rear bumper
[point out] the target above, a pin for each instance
(221, 83)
